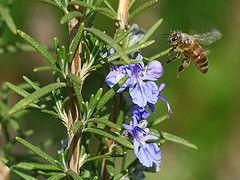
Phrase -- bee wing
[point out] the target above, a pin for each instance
(207, 38)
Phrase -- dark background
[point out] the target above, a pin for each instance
(206, 106)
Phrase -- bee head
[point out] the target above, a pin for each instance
(174, 37)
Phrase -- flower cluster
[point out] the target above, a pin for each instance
(144, 92)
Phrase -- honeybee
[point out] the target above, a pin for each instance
(185, 43)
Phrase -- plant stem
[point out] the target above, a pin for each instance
(74, 139)
(122, 11)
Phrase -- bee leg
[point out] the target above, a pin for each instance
(185, 63)
(173, 58)
(171, 50)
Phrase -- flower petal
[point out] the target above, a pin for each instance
(144, 158)
(154, 69)
(150, 137)
(128, 128)
(168, 106)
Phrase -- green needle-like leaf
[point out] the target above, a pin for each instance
(47, 68)
(76, 40)
(158, 120)
(71, 15)
(57, 176)
(22, 173)
(34, 96)
(141, 8)
(121, 37)
(75, 78)
(82, 4)
(77, 125)
(38, 47)
(4, 12)
(105, 122)
(103, 156)
(37, 166)
(128, 50)
(78, 95)
(17, 89)
(111, 42)
(179, 140)
(111, 92)
(74, 175)
(40, 153)
(107, 12)
(53, 3)
(21, 92)
(172, 138)
(151, 31)
(163, 53)
(120, 175)
(110, 134)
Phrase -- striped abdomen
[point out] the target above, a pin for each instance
(199, 58)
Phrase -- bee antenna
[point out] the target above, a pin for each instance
(169, 27)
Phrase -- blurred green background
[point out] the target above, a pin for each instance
(206, 106)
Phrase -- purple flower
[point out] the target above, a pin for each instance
(116, 74)
(143, 89)
(161, 87)
(140, 113)
(147, 153)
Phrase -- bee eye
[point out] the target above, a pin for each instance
(175, 38)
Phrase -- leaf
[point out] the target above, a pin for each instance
(141, 8)
(4, 12)
(158, 120)
(105, 122)
(34, 96)
(172, 138)
(76, 126)
(107, 12)
(78, 95)
(120, 175)
(53, 3)
(21, 92)
(47, 68)
(40, 153)
(151, 31)
(76, 40)
(163, 53)
(179, 140)
(82, 4)
(57, 176)
(17, 89)
(75, 78)
(109, 6)
(110, 93)
(70, 15)
(110, 166)
(22, 173)
(128, 51)
(131, 4)
(13, 48)
(104, 37)
(103, 156)
(38, 47)
(118, 63)
(110, 134)
(74, 175)
(36, 166)
(121, 37)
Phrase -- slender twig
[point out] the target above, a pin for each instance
(74, 139)
(122, 15)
